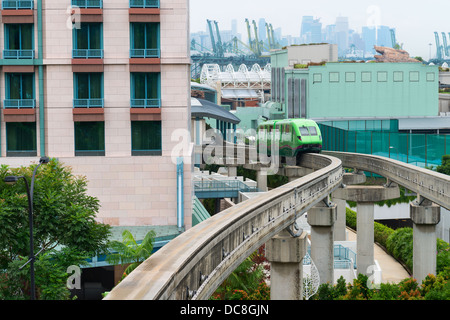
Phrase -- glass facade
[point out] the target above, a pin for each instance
(88, 41)
(145, 90)
(423, 150)
(90, 138)
(19, 43)
(19, 91)
(21, 139)
(146, 138)
(88, 90)
(144, 40)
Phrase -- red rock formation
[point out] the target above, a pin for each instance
(392, 55)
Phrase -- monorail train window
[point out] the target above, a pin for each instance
(312, 131)
(304, 131)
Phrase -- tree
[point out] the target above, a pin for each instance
(130, 252)
(64, 218)
(445, 167)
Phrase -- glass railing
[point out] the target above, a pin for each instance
(88, 3)
(19, 103)
(144, 53)
(144, 3)
(87, 53)
(227, 185)
(88, 103)
(18, 54)
(145, 103)
(420, 149)
(17, 4)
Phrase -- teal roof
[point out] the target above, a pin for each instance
(199, 213)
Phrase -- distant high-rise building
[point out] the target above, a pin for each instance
(369, 36)
(306, 28)
(311, 30)
(330, 34)
(384, 36)
(342, 34)
(316, 31)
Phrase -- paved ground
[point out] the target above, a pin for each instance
(392, 270)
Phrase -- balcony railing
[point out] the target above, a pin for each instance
(17, 4)
(19, 104)
(87, 53)
(146, 103)
(87, 4)
(88, 103)
(18, 54)
(144, 3)
(144, 53)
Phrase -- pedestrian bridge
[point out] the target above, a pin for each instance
(195, 263)
(209, 189)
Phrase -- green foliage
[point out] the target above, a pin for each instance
(382, 233)
(443, 256)
(387, 291)
(400, 245)
(64, 217)
(359, 289)
(50, 276)
(247, 282)
(327, 291)
(130, 252)
(445, 166)
(432, 288)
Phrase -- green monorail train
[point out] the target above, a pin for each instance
(293, 136)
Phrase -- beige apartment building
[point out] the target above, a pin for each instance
(102, 85)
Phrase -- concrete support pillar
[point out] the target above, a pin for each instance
(285, 254)
(321, 218)
(365, 237)
(261, 180)
(425, 217)
(232, 171)
(340, 227)
(366, 196)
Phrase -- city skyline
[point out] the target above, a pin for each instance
(415, 37)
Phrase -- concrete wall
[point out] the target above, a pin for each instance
(444, 103)
(304, 54)
(342, 92)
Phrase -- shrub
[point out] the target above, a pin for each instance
(400, 245)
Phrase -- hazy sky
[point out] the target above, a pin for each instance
(415, 21)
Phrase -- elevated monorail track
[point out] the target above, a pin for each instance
(195, 263)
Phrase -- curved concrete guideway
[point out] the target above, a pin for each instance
(429, 184)
(195, 263)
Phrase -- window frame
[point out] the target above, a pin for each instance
(97, 152)
(136, 131)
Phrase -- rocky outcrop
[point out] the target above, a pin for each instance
(392, 55)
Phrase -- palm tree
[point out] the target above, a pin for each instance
(130, 252)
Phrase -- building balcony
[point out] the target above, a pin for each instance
(17, 4)
(19, 103)
(145, 103)
(88, 103)
(87, 53)
(88, 4)
(18, 54)
(144, 53)
(144, 3)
